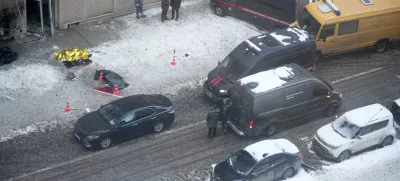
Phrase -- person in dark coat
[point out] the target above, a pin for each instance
(175, 5)
(164, 7)
(223, 110)
(212, 122)
(139, 9)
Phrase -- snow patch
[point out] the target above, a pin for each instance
(37, 127)
(300, 33)
(281, 38)
(267, 80)
(380, 164)
(36, 79)
(271, 147)
(284, 72)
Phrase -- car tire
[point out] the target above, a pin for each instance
(387, 141)
(381, 46)
(343, 156)
(106, 142)
(289, 173)
(330, 110)
(219, 11)
(271, 129)
(158, 127)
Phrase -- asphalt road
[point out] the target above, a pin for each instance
(183, 152)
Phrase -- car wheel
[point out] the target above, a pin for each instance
(330, 110)
(289, 173)
(343, 156)
(381, 46)
(219, 11)
(105, 143)
(387, 141)
(271, 130)
(158, 127)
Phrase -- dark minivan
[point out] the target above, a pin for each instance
(263, 102)
(260, 53)
(267, 14)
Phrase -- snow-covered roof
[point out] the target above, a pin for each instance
(281, 38)
(363, 115)
(300, 33)
(268, 80)
(271, 147)
(397, 101)
(287, 40)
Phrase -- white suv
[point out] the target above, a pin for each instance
(354, 131)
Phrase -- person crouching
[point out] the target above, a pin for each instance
(213, 117)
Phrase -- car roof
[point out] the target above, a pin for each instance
(250, 51)
(274, 78)
(130, 103)
(271, 147)
(367, 115)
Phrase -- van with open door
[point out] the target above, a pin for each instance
(343, 25)
(267, 14)
(265, 102)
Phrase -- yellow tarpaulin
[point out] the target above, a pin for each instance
(72, 54)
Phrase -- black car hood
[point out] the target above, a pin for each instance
(217, 82)
(92, 123)
(225, 173)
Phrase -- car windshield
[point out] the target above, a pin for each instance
(308, 23)
(109, 113)
(241, 162)
(343, 127)
(231, 68)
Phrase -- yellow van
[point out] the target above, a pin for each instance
(343, 25)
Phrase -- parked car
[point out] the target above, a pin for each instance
(267, 14)
(264, 102)
(123, 119)
(355, 131)
(260, 53)
(342, 25)
(262, 161)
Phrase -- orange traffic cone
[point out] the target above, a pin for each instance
(173, 63)
(116, 91)
(101, 76)
(67, 108)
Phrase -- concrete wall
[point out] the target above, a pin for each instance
(83, 11)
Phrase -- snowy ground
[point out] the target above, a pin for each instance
(34, 91)
(381, 164)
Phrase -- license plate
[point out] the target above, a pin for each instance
(76, 135)
(208, 93)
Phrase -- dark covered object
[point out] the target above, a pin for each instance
(7, 56)
(111, 78)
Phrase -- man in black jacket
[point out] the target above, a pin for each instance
(175, 5)
(212, 122)
(164, 7)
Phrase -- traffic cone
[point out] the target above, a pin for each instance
(67, 108)
(116, 91)
(101, 76)
(173, 63)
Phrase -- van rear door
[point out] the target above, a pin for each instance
(241, 110)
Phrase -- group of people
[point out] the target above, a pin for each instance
(175, 5)
(217, 115)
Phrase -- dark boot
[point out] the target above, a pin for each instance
(142, 16)
(137, 16)
(209, 132)
(177, 15)
(172, 14)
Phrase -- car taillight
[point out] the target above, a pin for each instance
(298, 157)
(252, 122)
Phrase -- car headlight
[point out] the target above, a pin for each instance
(333, 147)
(340, 95)
(92, 137)
(206, 79)
(222, 91)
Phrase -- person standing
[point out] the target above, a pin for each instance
(212, 122)
(223, 110)
(164, 7)
(139, 9)
(175, 5)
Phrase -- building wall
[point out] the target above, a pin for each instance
(82, 11)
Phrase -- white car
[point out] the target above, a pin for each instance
(355, 131)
